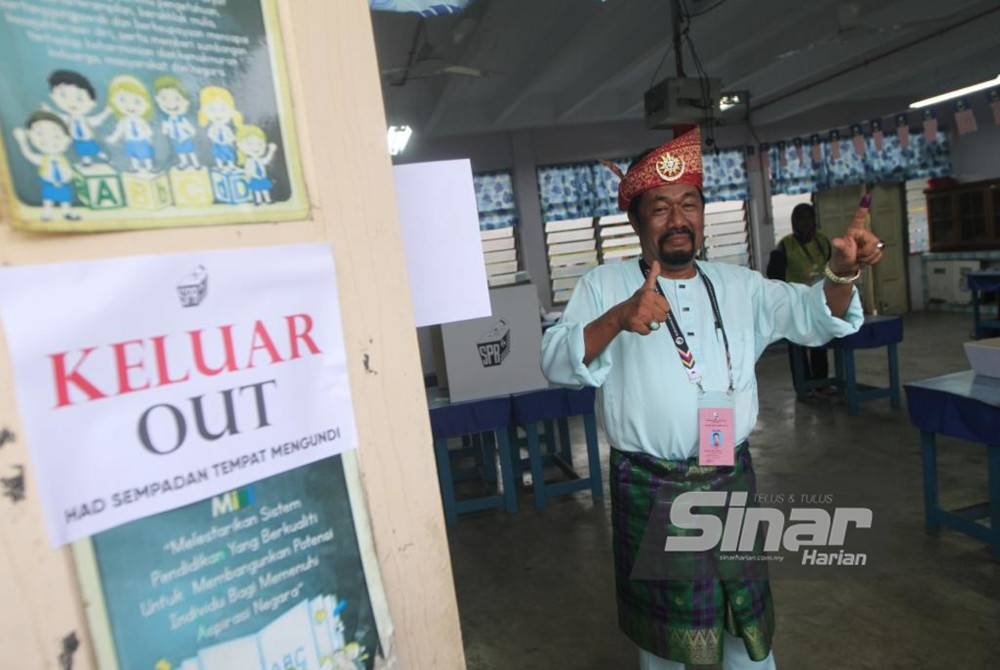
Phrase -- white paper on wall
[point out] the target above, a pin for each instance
(444, 251)
(147, 383)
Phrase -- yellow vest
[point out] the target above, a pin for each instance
(804, 262)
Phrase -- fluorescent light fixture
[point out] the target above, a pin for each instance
(397, 137)
(926, 102)
(728, 101)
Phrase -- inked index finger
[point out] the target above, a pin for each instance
(861, 213)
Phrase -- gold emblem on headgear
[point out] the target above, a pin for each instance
(670, 167)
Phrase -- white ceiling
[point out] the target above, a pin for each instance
(809, 65)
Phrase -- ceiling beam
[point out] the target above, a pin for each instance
(915, 61)
(749, 48)
(445, 90)
(573, 23)
(610, 71)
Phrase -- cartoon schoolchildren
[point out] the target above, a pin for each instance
(74, 99)
(64, 139)
(44, 141)
(174, 101)
(133, 107)
(218, 114)
(254, 155)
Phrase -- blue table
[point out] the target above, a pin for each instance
(877, 331)
(982, 282)
(489, 416)
(559, 404)
(967, 407)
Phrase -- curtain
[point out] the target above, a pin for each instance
(573, 191)
(919, 160)
(591, 189)
(725, 175)
(495, 199)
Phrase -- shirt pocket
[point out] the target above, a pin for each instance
(744, 351)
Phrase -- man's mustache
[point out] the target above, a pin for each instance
(676, 229)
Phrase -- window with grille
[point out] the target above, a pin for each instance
(572, 250)
(584, 227)
(500, 252)
(576, 245)
(497, 226)
(726, 239)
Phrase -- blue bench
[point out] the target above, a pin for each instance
(558, 404)
(484, 420)
(967, 407)
(877, 331)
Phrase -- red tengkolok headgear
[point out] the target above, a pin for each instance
(675, 162)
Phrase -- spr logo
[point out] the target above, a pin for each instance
(193, 287)
(494, 345)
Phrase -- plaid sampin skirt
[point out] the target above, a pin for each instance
(682, 618)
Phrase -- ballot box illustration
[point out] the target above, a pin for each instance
(498, 354)
(230, 186)
(494, 345)
(193, 287)
(146, 190)
(98, 186)
(191, 187)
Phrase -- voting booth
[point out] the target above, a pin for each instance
(499, 354)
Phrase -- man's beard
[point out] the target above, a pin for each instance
(676, 258)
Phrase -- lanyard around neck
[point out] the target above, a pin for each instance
(680, 342)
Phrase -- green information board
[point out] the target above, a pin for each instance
(270, 576)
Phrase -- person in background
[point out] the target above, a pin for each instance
(660, 390)
(800, 258)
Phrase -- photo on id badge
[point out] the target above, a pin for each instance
(715, 430)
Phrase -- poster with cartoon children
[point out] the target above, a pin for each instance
(109, 134)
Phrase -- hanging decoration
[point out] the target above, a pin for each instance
(903, 130)
(965, 118)
(995, 105)
(816, 149)
(765, 162)
(877, 136)
(858, 139)
(799, 153)
(835, 144)
(930, 124)
(782, 154)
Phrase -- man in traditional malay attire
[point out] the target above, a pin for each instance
(661, 388)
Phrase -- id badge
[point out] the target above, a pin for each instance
(716, 430)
